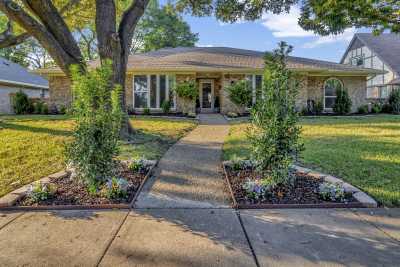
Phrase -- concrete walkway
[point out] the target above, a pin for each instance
(188, 176)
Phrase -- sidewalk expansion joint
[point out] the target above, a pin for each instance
(248, 239)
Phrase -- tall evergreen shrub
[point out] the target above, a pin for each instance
(274, 132)
(342, 102)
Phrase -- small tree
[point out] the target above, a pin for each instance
(394, 101)
(342, 102)
(240, 93)
(188, 91)
(21, 103)
(98, 116)
(274, 133)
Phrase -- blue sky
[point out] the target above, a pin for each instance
(265, 33)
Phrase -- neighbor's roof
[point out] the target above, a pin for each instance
(223, 59)
(14, 74)
(385, 45)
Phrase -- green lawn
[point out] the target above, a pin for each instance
(32, 146)
(364, 151)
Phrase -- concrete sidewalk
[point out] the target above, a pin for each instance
(188, 175)
(201, 237)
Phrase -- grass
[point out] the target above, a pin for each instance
(32, 145)
(364, 151)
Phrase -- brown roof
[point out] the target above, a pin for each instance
(223, 59)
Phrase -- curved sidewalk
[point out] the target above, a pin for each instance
(188, 176)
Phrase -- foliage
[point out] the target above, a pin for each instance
(116, 188)
(21, 103)
(146, 111)
(166, 106)
(62, 110)
(256, 189)
(187, 90)
(346, 147)
(191, 115)
(163, 27)
(39, 191)
(342, 102)
(44, 109)
(331, 192)
(319, 107)
(394, 101)
(98, 116)
(386, 108)
(240, 93)
(274, 133)
(363, 109)
(140, 165)
(376, 108)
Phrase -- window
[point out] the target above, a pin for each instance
(151, 90)
(330, 87)
(141, 91)
(255, 82)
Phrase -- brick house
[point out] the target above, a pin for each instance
(151, 77)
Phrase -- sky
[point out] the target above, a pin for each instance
(264, 34)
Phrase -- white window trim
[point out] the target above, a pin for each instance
(158, 102)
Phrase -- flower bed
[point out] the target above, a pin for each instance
(307, 189)
(63, 191)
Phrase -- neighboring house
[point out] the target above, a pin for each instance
(14, 78)
(152, 76)
(380, 52)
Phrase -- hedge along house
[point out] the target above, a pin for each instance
(152, 76)
(15, 78)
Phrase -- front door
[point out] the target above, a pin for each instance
(207, 95)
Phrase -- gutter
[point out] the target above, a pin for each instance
(24, 84)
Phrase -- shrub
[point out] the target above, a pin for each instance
(146, 111)
(331, 192)
(342, 102)
(116, 188)
(386, 108)
(98, 122)
(166, 106)
(44, 109)
(363, 109)
(240, 93)
(318, 107)
(39, 191)
(37, 107)
(256, 189)
(274, 133)
(191, 115)
(376, 108)
(394, 101)
(187, 90)
(62, 110)
(232, 115)
(21, 103)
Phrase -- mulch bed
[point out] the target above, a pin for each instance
(73, 192)
(303, 191)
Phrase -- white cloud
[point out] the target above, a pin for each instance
(206, 45)
(286, 25)
(346, 36)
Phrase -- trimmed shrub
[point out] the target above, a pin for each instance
(394, 101)
(343, 102)
(37, 107)
(166, 106)
(376, 108)
(363, 109)
(187, 89)
(146, 111)
(240, 93)
(62, 110)
(274, 133)
(319, 107)
(386, 108)
(98, 123)
(21, 103)
(44, 109)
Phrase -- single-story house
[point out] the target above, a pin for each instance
(15, 78)
(380, 52)
(152, 75)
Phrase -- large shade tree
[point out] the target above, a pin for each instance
(51, 22)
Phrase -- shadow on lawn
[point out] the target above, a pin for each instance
(32, 129)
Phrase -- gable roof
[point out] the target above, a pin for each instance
(223, 59)
(386, 46)
(12, 73)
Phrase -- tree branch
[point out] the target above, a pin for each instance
(15, 12)
(7, 38)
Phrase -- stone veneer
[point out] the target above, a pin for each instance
(311, 87)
